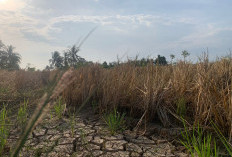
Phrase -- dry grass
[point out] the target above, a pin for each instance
(153, 91)
(150, 92)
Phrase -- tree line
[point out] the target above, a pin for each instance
(10, 60)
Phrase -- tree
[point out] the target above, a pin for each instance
(13, 58)
(161, 60)
(57, 60)
(72, 58)
(29, 67)
(105, 65)
(3, 56)
(172, 56)
(8, 58)
(185, 54)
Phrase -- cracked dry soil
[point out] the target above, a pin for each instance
(89, 138)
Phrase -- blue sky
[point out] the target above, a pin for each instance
(125, 28)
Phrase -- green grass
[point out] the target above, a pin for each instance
(181, 107)
(22, 114)
(59, 108)
(222, 138)
(198, 143)
(4, 130)
(83, 137)
(115, 121)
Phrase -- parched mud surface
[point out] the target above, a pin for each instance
(90, 137)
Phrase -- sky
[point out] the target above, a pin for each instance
(124, 28)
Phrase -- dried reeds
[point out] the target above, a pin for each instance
(155, 91)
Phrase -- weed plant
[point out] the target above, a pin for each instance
(72, 123)
(199, 144)
(59, 108)
(22, 114)
(115, 121)
(222, 138)
(4, 130)
(83, 137)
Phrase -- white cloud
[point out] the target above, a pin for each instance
(109, 20)
(12, 5)
(20, 24)
(204, 35)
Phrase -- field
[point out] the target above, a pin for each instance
(141, 96)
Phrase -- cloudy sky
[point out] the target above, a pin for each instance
(125, 28)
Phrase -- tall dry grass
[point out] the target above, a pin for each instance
(152, 92)
(15, 86)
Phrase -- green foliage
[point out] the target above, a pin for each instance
(105, 65)
(115, 121)
(222, 138)
(59, 108)
(29, 67)
(57, 60)
(8, 58)
(4, 130)
(185, 54)
(22, 114)
(160, 60)
(199, 144)
(70, 58)
(181, 107)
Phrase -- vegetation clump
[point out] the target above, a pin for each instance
(4, 129)
(22, 114)
(59, 108)
(198, 143)
(115, 121)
